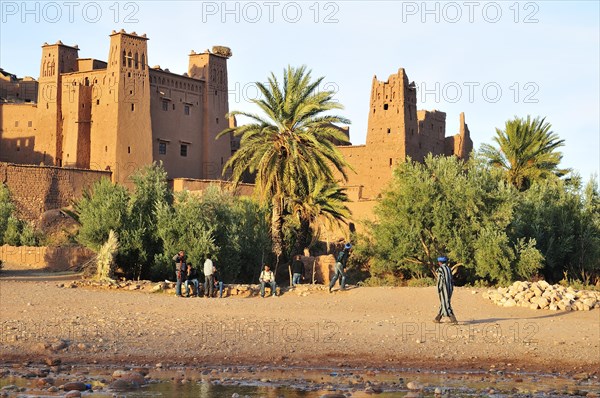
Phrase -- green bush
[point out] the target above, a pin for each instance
(6, 210)
(422, 282)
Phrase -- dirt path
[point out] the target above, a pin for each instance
(375, 327)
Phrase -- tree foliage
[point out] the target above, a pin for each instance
(152, 226)
(527, 151)
(445, 206)
(291, 147)
(565, 222)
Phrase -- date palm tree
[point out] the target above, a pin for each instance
(527, 151)
(320, 208)
(291, 144)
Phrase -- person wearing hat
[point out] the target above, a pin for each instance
(444, 288)
(340, 267)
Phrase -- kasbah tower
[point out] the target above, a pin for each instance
(396, 130)
(121, 115)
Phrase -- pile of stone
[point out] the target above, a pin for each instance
(542, 295)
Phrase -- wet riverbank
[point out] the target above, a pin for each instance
(143, 381)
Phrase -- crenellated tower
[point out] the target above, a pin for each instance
(121, 135)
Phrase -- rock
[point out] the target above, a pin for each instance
(141, 370)
(329, 396)
(437, 391)
(46, 381)
(123, 385)
(157, 288)
(414, 385)
(74, 385)
(82, 346)
(59, 345)
(510, 303)
(542, 302)
(73, 394)
(52, 361)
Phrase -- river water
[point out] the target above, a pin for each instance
(305, 383)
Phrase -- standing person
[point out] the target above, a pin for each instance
(297, 270)
(208, 277)
(180, 270)
(218, 282)
(444, 288)
(267, 277)
(340, 267)
(192, 277)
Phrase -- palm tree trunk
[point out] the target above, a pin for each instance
(302, 239)
(277, 227)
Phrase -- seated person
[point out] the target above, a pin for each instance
(218, 283)
(267, 277)
(192, 278)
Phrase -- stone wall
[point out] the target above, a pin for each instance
(36, 189)
(195, 185)
(59, 258)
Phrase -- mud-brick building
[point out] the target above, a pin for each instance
(118, 114)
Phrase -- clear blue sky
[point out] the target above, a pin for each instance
(491, 60)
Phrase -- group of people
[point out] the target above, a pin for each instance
(187, 275)
(212, 282)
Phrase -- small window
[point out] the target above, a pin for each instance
(183, 150)
(165, 106)
(29, 123)
(132, 107)
(97, 102)
(16, 123)
(217, 120)
(173, 106)
(389, 131)
(390, 162)
(128, 149)
(186, 109)
(215, 92)
(385, 107)
(105, 149)
(162, 148)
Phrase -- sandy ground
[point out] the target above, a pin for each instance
(374, 327)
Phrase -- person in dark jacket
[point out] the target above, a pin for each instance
(192, 278)
(340, 267)
(297, 270)
(444, 288)
(180, 270)
(218, 282)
